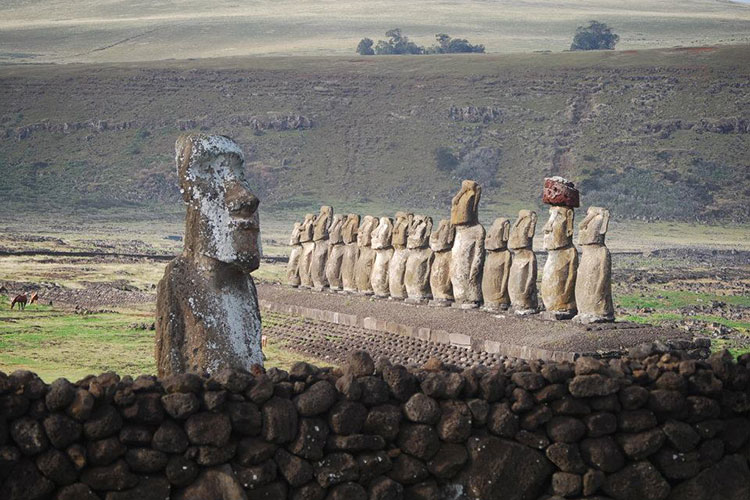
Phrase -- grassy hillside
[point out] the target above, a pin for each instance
(655, 135)
(129, 30)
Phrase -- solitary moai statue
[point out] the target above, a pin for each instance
(381, 243)
(441, 244)
(523, 268)
(419, 261)
(397, 264)
(351, 251)
(560, 269)
(594, 283)
(308, 248)
(335, 252)
(320, 251)
(467, 255)
(497, 267)
(292, 267)
(366, 257)
(207, 316)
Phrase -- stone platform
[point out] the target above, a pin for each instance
(527, 337)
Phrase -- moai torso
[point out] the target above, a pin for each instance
(308, 248)
(397, 264)
(496, 267)
(349, 233)
(419, 260)
(467, 254)
(441, 244)
(381, 244)
(594, 282)
(559, 275)
(523, 270)
(335, 252)
(292, 267)
(366, 257)
(320, 251)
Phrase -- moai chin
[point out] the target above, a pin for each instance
(292, 267)
(381, 244)
(467, 254)
(207, 316)
(335, 252)
(594, 282)
(523, 267)
(441, 244)
(366, 257)
(349, 233)
(308, 248)
(497, 267)
(397, 264)
(560, 269)
(320, 248)
(419, 261)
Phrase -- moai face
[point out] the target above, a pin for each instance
(558, 232)
(296, 232)
(442, 238)
(401, 228)
(465, 205)
(323, 223)
(222, 221)
(497, 237)
(364, 237)
(351, 228)
(593, 228)
(381, 237)
(419, 232)
(522, 231)
(334, 233)
(308, 224)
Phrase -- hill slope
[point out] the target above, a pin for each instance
(658, 134)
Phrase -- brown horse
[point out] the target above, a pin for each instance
(34, 298)
(20, 300)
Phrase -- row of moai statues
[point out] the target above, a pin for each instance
(460, 264)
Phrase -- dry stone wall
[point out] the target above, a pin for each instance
(651, 427)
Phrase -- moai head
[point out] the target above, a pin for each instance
(558, 232)
(323, 223)
(419, 232)
(296, 232)
(593, 228)
(334, 233)
(442, 238)
(350, 229)
(381, 237)
(401, 229)
(364, 236)
(222, 217)
(522, 231)
(497, 236)
(308, 224)
(465, 205)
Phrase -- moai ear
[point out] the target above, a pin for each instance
(428, 223)
(569, 217)
(478, 191)
(605, 222)
(506, 231)
(532, 226)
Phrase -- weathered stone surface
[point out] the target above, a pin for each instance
(497, 266)
(366, 257)
(104, 422)
(381, 244)
(448, 461)
(586, 386)
(441, 244)
(397, 264)
(602, 453)
(351, 252)
(146, 460)
(77, 491)
(594, 280)
(336, 468)
(419, 259)
(401, 382)
(26, 483)
(279, 420)
(295, 470)
(727, 480)
(467, 254)
(566, 457)
(408, 470)
(384, 421)
(523, 269)
(336, 250)
(637, 481)
(373, 464)
(422, 409)
(419, 440)
(149, 488)
(308, 248)
(317, 399)
(347, 491)
(217, 483)
(384, 488)
(208, 429)
(561, 266)
(566, 484)
(59, 395)
(28, 435)
(347, 417)
(320, 247)
(559, 191)
(56, 465)
(641, 444)
(203, 323)
(295, 254)
(115, 477)
(454, 425)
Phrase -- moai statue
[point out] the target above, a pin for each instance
(292, 267)
(523, 270)
(559, 275)
(207, 316)
(496, 267)
(349, 233)
(366, 257)
(467, 255)
(594, 283)
(419, 261)
(397, 265)
(308, 248)
(320, 251)
(441, 244)
(335, 252)
(381, 243)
